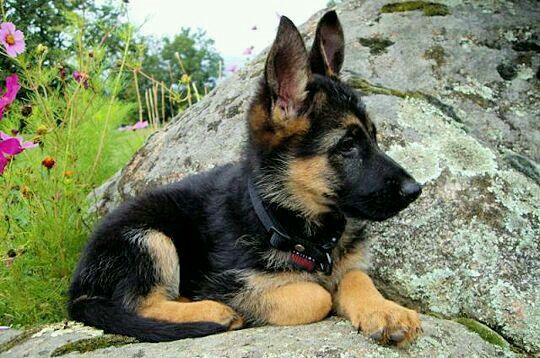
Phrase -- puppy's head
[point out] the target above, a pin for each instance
(311, 142)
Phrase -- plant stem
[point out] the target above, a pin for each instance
(113, 98)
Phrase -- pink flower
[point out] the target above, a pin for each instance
(10, 146)
(248, 51)
(22, 143)
(232, 68)
(81, 77)
(12, 39)
(12, 87)
(138, 125)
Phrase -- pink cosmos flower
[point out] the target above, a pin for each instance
(81, 77)
(248, 51)
(232, 68)
(136, 126)
(12, 87)
(10, 146)
(22, 143)
(12, 39)
(140, 125)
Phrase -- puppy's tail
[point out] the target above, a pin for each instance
(104, 314)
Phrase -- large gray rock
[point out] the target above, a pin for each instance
(456, 100)
(330, 338)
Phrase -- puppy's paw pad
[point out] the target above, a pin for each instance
(388, 323)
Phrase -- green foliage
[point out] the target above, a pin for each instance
(48, 22)
(198, 57)
(188, 59)
(44, 211)
(45, 224)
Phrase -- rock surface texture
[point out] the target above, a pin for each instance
(331, 338)
(455, 91)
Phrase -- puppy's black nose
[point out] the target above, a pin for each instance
(410, 190)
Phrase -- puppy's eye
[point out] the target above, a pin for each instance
(348, 147)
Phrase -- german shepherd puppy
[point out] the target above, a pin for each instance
(273, 239)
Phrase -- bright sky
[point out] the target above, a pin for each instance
(228, 22)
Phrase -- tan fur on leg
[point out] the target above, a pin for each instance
(359, 300)
(158, 306)
(297, 303)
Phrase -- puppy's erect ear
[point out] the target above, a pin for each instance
(328, 51)
(287, 69)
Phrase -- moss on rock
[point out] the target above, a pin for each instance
(437, 54)
(486, 333)
(377, 45)
(91, 344)
(23, 337)
(429, 8)
(366, 87)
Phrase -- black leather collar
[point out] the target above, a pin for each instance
(304, 254)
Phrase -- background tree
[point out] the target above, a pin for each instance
(63, 26)
(182, 61)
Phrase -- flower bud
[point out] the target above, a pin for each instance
(185, 79)
(41, 49)
(42, 130)
(26, 110)
(62, 72)
(48, 162)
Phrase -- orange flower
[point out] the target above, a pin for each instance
(48, 162)
(68, 173)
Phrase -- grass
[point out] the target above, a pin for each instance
(70, 105)
(44, 209)
(46, 224)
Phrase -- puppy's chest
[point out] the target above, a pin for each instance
(348, 255)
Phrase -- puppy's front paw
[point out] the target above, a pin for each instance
(387, 322)
(222, 314)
